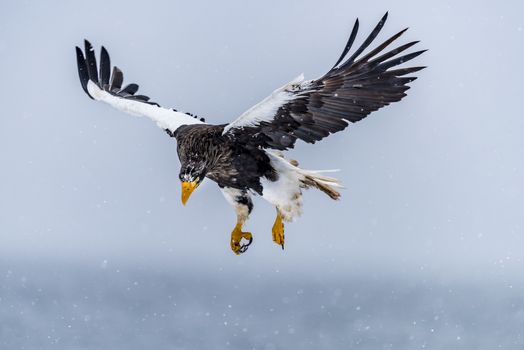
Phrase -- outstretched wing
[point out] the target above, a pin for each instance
(310, 110)
(106, 86)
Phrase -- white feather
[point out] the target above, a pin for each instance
(231, 195)
(286, 192)
(164, 118)
(268, 107)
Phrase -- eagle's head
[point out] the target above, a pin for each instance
(191, 175)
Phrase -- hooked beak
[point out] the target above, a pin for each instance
(187, 189)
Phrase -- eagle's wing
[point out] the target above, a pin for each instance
(107, 87)
(313, 109)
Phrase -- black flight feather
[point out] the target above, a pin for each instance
(82, 70)
(368, 41)
(349, 43)
(91, 62)
(110, 81)
(105, 67)
(117, 78)
(130, 89)
(349, 92)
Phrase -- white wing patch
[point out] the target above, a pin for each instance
(164, 118)
(267, 108)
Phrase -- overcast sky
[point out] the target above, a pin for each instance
(434, 182)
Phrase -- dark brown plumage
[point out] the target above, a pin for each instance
(204, 152)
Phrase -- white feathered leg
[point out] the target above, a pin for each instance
(286, 193)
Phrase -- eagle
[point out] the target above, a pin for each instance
(245, 156)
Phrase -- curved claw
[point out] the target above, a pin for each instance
(243, 247)
(236, 237)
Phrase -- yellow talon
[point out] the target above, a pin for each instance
(278, 230)
(236, 238)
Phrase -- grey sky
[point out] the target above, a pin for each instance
(433, 183)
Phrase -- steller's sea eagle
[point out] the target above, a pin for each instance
(243, 157)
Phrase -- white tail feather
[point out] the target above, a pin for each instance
(324, 183)
(314, 178)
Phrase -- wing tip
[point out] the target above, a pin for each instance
(90, 60)
(82, 70)
(105, 68)
(88, 45)
(348, 45)
(383, 19)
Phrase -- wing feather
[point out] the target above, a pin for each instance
(82, 69)
(105, 67)
(349, 43)
(310, 110)
(105, 86)
(117, 78)
(368, 41)
(91, 62)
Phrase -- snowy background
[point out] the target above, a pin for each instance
(425, 250)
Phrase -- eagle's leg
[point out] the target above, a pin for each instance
(243, 205)
(278, 230)
(236, 239)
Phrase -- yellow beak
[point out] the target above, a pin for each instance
(187, 189)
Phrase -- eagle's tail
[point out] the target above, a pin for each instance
(313, 178)
(324, 183)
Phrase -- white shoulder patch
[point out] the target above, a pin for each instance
(164, 118)
(267, 108)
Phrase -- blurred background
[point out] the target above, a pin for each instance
(425, 249)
